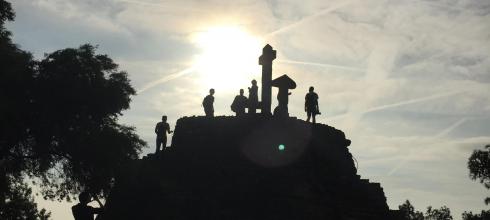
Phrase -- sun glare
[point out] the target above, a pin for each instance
(228, 60)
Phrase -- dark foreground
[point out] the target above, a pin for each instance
(248, 168)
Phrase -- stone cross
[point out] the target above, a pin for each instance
(268, 55)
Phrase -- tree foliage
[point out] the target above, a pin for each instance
(479, 166)
(6, 13)
(442, 213)
(59, 123)
(19, 204)
(409, 212)
(79, 97)
(16, 72)
(484, 215)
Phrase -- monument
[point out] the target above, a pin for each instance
(284, 83)
(265, 60)
(245, 168)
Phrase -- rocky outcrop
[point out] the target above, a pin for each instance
(248, 168)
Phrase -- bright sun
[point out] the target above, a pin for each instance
(229, 58)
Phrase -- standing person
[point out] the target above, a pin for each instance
(207, 103)
(311, 104)
(161, 129)
(239, 104)
(82, 211)
(253, 98)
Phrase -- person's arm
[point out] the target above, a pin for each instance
(156, 129)
(168, 129)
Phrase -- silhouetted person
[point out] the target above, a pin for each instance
(239, 104)
(207, 103)
(82, 211)
(311, 104)
(253, 98)
(161, 129)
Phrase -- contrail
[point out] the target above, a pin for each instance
(160, 5)
(421, 151)
(407, 102)
(423, 99)
(450, 128)
(434, 4)
(322, 65)
(166, 79)
(308, 18)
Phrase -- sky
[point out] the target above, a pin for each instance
(408, 81)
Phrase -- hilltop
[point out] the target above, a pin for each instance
(248, 168)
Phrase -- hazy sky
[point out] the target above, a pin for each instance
(408, 81)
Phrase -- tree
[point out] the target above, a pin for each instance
(81, 134)
(58, 121)
(479, 166)
(484, 215)
(6, 13)
(409, 212)
(442, 213)
(16, 74)
(19, 204)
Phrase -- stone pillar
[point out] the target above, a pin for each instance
(268, 55)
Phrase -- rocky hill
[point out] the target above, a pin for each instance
(252, 167)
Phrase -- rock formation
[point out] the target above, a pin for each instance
(254, 167)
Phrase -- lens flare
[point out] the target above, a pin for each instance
(281, 147)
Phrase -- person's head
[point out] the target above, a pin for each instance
(211, 91)
(254, 82)
(241, 91)
(164, 118)
(84, 197)
(311, 88)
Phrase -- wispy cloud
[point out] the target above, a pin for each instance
(165, 79)
(421, 150)
(164, 5)
(408, 77)
(328, 65)
(398, 104)
(308, 18)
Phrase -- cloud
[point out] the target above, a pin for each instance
(398, 77)
(165, 79)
